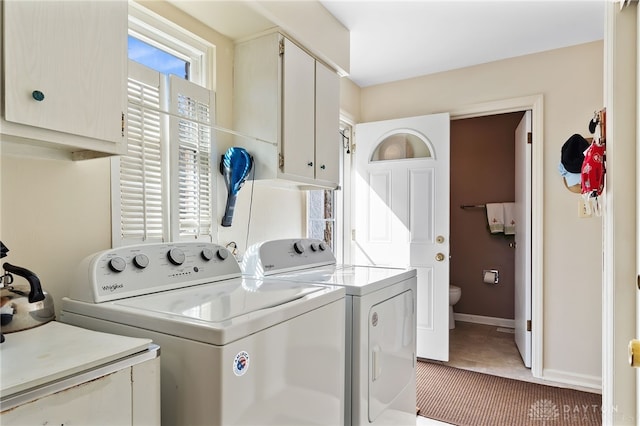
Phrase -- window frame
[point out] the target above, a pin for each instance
(167, 36)
(342, 209)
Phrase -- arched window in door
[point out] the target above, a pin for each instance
(400, 145)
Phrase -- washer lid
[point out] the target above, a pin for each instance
(220, 302)
(357, 280)
(215, 313)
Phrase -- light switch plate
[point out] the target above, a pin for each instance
(583, 213)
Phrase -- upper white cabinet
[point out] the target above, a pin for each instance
(65, 74)
(289, 103)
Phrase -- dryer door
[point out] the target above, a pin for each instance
(392, 343)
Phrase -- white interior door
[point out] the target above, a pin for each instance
(523, 239)
(402, 213)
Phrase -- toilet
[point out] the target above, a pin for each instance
(454, 297)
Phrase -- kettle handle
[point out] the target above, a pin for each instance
(36, 293)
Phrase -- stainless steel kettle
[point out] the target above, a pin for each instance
(23, 306)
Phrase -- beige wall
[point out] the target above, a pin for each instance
(570, 80)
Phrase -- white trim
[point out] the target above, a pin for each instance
(479, 319)
(160, 31)
(573, 379)
(535, 104)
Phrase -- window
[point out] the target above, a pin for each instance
(402, 145)
(157, 59)
(321, 216)
(163, 189)
(328, 211)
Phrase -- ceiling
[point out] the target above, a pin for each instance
(394, 40)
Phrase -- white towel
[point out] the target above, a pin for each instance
(509, 218)
(495, 217)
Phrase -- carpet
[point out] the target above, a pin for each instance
(468, 398)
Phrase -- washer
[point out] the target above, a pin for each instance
(380, 324)
(234, 350)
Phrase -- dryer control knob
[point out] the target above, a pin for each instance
(222, 254)
(117, 264)
(176, 256)
(314, 246)
(323, 246)
(298, 247)
(207, 254)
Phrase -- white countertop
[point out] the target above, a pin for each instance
(55, 350)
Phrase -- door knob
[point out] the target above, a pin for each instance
(439, 257)
(634, 353)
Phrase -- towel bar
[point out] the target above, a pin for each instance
(473, 206)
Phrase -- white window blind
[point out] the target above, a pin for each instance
(191, 177)
(164, 189)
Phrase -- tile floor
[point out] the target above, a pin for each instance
(492, 350)
(488, 349)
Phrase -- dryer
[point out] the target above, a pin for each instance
(380, 324)
(235, 351)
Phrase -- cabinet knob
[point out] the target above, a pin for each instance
(323, 167)
(310, 164)
(37, 95)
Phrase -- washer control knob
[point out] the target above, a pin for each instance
(298, 247)
(314, 246)
(322, 246)
(141, 261)
(176, 256)
(117, 264)
(207, 254)
(222, 254)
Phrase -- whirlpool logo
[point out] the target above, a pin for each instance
(112, 287)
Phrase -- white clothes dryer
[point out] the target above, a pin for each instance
(235, 351)
(380, 324)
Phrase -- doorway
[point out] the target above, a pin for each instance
(486, 157)
(535, 105)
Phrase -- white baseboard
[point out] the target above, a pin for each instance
(592, 383)
(479, 319)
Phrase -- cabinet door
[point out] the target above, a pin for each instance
(298, 117)
(74, 53)
(103, 401)
(327, 124)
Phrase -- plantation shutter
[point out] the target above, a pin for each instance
(141, 182)
(164, 189)
(192, 114)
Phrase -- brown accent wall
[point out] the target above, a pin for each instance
(482, 171)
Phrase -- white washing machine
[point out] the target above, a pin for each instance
(380, 324)
(235, 351)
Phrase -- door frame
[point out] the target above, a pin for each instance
(535, 104)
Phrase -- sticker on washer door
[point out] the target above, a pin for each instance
(241, 363)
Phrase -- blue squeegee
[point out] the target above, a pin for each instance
(235, 166)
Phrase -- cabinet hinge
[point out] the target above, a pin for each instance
(353, 235)
(280, 161)
(122, 125)
(281, 47)
(529, 137)
(528, 325)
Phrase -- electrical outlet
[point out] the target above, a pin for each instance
(583, 213)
